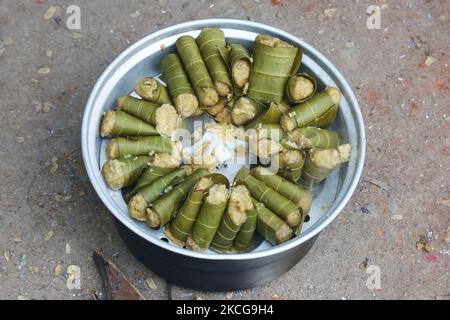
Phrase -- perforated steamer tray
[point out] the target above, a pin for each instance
(209, 270)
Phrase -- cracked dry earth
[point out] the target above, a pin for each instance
(398, 218)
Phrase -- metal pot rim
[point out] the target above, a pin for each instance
(89, 159)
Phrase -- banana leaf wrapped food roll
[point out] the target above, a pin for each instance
(300, 87)
(267, 138)
(149, 175)
(279, 204)
(311, 138)
(270, 116)
(290, 163)
(266, 148)
(197, 72)
(181, 226)
(245, 110)
(290, 190)
(243, 240)
(224, 116)
(211, 42)
(161, 211)
(233, 218)
(321, 162)
(152, 90)
(180, 88)
(140, 201)
(214, 110)
(119, 173)
(165, 118)
(168, 160)
(121, 124)
(274, 61)
(271, 227)
(209, 218)
(319, 111)
(123, 147)
(240, 65)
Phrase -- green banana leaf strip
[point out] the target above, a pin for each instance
(195, 68)
(244, 237)
(282, 206)
(312, 174)
(288, 189)
(207, 223)
(226, 233)
(319, 111)
(271, 227)
(144, 110)
(169, 203)
(149, 175)
(158, 95)
(130, 170)
(181, 226)
(128, 125)
(237, 52)
(311, 138)
(143, 146)
(175, 76)
(272, 67)
(211, 43)
(153, 191)
(272, 115)
(290, 171)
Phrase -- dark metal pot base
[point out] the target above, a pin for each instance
(211, 275)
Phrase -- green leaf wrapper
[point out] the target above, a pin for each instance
(198, 73)
(237, 53)
(321, 162)
(139, 108)
(121, 124)
(244, 237)
(149, 175)
(181, 226)
(272, 67)
(286, 188)
(162, 210)
(153, 191)
(271, 227)
(233, 218)
(282, 206)
(319, 111)
(207, 223)
(311, 138)
(245, 110)
(152, 90)
(180, 88)
(211, 43)
(123, 147)
(119, 173)
(291, 170)
(270, 116)
(146, 195)
(290, 94)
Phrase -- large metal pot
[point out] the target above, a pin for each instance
(211, 271)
